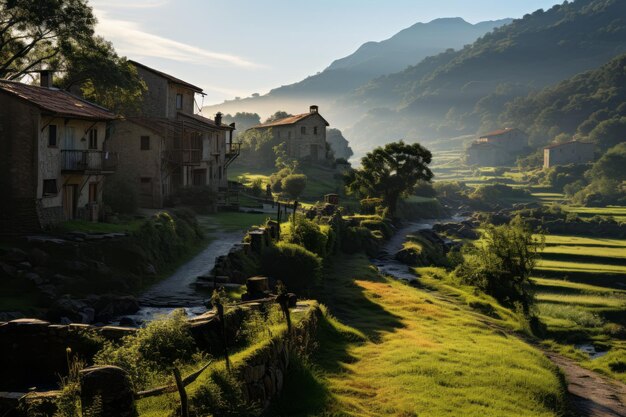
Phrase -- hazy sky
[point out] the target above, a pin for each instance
(239, 47)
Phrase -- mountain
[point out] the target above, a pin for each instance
(371, 60)
(455, 92)
(591, 106)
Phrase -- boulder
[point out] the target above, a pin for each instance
(14, 255)
(38, 257)
(109, 388)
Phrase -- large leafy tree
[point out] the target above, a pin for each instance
(391, 172)
(59, 35)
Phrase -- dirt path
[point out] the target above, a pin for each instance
(591, 394)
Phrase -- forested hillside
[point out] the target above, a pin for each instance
(449, 94)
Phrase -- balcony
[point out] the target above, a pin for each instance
(232, 152)
(183, 156)
(88, 161)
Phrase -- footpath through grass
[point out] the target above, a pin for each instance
(395, 350)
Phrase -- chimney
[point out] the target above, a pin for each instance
(218, 118)
(313, 109)
(45, 78)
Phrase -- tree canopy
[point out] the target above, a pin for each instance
(390, 172)
(59, 35)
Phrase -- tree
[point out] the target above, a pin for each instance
(390, 172)
(242, 120)
(283, 160)
(280, 114)
(500, 264)
(59, 35)
(339, 144)
(294, 184)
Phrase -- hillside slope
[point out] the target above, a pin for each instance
(438, 97)
(372, 59)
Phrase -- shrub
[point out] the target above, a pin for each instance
(491, 192)
(120, 196)
(257, 187)
(369, 205)
(152, 350)
(358, 239)
(307, 233)
(380, 225)
(294, 265)
(276, 179)
(294, 184)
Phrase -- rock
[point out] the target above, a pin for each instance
(14, 255)
(88, 315)
(38, 257)
(8, 270)
(109, 307)
(65, 321)
(109, 386)
(100, 269)
(24, 265)
(76, 266)
(10, 315)
(149, 269)
(34, 278)
(128, 322)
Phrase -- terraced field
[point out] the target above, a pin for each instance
(582, 300)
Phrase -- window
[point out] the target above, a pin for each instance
(50, 188)
(93, 192)
(145, 143)
(179, 101)
(52, 136)
(303, 130)
(93, 138)
(315, 130)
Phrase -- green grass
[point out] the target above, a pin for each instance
(395, 350)
(92, 227)
(582, 299)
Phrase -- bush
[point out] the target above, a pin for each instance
(307, 233)
(359, 239)
(257, 187)
(369, 205)
(294, 265)
(152, 350)
(120, 196)
(380, 225)
(491, 192)
(294, 184)
(276, 179)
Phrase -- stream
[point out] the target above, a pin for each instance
(178, 290)
(388, 265)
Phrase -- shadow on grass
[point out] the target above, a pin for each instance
(580, 258)
(349, 302)
(601, 279)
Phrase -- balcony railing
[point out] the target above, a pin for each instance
(184, 156)
(91, 161)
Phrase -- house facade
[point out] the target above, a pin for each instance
(304, 134)
(164, 146)
(573, 152)
(500, 147)
(53, 156)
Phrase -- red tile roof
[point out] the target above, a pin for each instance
(170, 78)
(558, 145)
(289, 120)
(58, 102)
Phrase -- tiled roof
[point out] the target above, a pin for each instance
(167, 76)
(289, 120)
(558, 145)
(58, 102)
(497, 133)
(204, 120)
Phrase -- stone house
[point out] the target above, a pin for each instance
(53, 156)
(304, 134)
(572, 152)
(164, 146)
(500, 147)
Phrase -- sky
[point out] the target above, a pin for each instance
(234, 48)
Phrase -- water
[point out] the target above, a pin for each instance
(178, 290)
(591, 350)
(386, 263)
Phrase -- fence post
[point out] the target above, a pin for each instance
(184, 406)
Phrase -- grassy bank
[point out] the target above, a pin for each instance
(395, 350)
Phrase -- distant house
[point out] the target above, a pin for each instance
(500, 147)
(53, 156)
(304, 134)
(164, 146)
(573, 152)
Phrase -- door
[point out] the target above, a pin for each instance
(145, 192)
(69, 201)
(69, 142)
(314, 152)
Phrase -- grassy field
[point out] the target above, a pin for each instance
(581, 297)
(395, 350)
